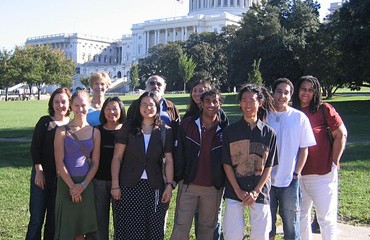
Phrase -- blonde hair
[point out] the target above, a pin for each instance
(81, 93)
(100, 75)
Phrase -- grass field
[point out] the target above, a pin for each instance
(18, 120)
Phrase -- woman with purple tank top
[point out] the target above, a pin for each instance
(75, 206)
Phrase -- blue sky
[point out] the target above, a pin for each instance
(20, 19)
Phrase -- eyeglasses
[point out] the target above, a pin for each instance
(309, 90)
(153, 83)
(144, 105)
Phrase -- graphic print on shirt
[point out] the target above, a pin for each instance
(248, 158)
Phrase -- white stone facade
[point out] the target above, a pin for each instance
(94, 54)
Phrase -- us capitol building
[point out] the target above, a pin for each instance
(93, 53)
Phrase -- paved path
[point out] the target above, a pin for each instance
(345, 232)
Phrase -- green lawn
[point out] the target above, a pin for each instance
(18, 120)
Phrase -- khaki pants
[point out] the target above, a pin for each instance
(188, 198)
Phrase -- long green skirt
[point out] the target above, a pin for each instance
(73, 219)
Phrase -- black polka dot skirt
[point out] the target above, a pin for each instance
(139, 214)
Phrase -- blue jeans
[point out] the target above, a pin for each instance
(42, 202)
(288, 201)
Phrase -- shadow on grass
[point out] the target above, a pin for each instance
(357, 152)
(16, 133)
(13, 154)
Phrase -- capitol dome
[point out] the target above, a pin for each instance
(207, 7)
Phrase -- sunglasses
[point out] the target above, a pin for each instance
(153, 83)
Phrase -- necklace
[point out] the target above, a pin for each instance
(279, 116)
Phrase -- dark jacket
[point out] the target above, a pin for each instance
(188, 148)
(135, 160)
(171, 110)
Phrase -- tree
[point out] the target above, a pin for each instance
(163, 60)
(277, 32)
(186, 68)
(85, 82)
(134, 76)
(39, 65)
(352, 25)
(255, 76)
(208, 50)
(6, 71)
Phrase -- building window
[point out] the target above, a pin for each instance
(225, 3)
(232, 3)
(219, 3)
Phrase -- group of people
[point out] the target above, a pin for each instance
(276, 158)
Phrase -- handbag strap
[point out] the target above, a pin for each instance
(77, 140)
(163, 138)
(324, 115)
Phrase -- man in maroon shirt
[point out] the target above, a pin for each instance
(199, 170)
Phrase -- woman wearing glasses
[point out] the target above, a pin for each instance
(137, 181)
(112, 116)
(319, 182)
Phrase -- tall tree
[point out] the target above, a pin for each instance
(255, 76)
(208, 50)
(162, 60)
(7, 72)
(39, 65)
(353, 26)
(186, 68)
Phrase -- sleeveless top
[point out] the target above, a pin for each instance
(106, 153)
(74, 157)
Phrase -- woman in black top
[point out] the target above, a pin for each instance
(43, 176)
(112, 116)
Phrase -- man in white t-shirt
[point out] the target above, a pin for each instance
(294, 136)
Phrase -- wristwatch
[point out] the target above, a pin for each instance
(297, 175)
(172, 184)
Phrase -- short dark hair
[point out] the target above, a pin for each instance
(317, 98)
(59, 91)
(283, 80)
(122, 117)
(212, 92)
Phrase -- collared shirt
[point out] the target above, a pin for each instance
(163, 112)
(249, 151)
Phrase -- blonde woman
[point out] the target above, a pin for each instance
(74, 144)
(99, 83)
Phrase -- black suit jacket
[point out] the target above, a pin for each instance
(135, 160)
